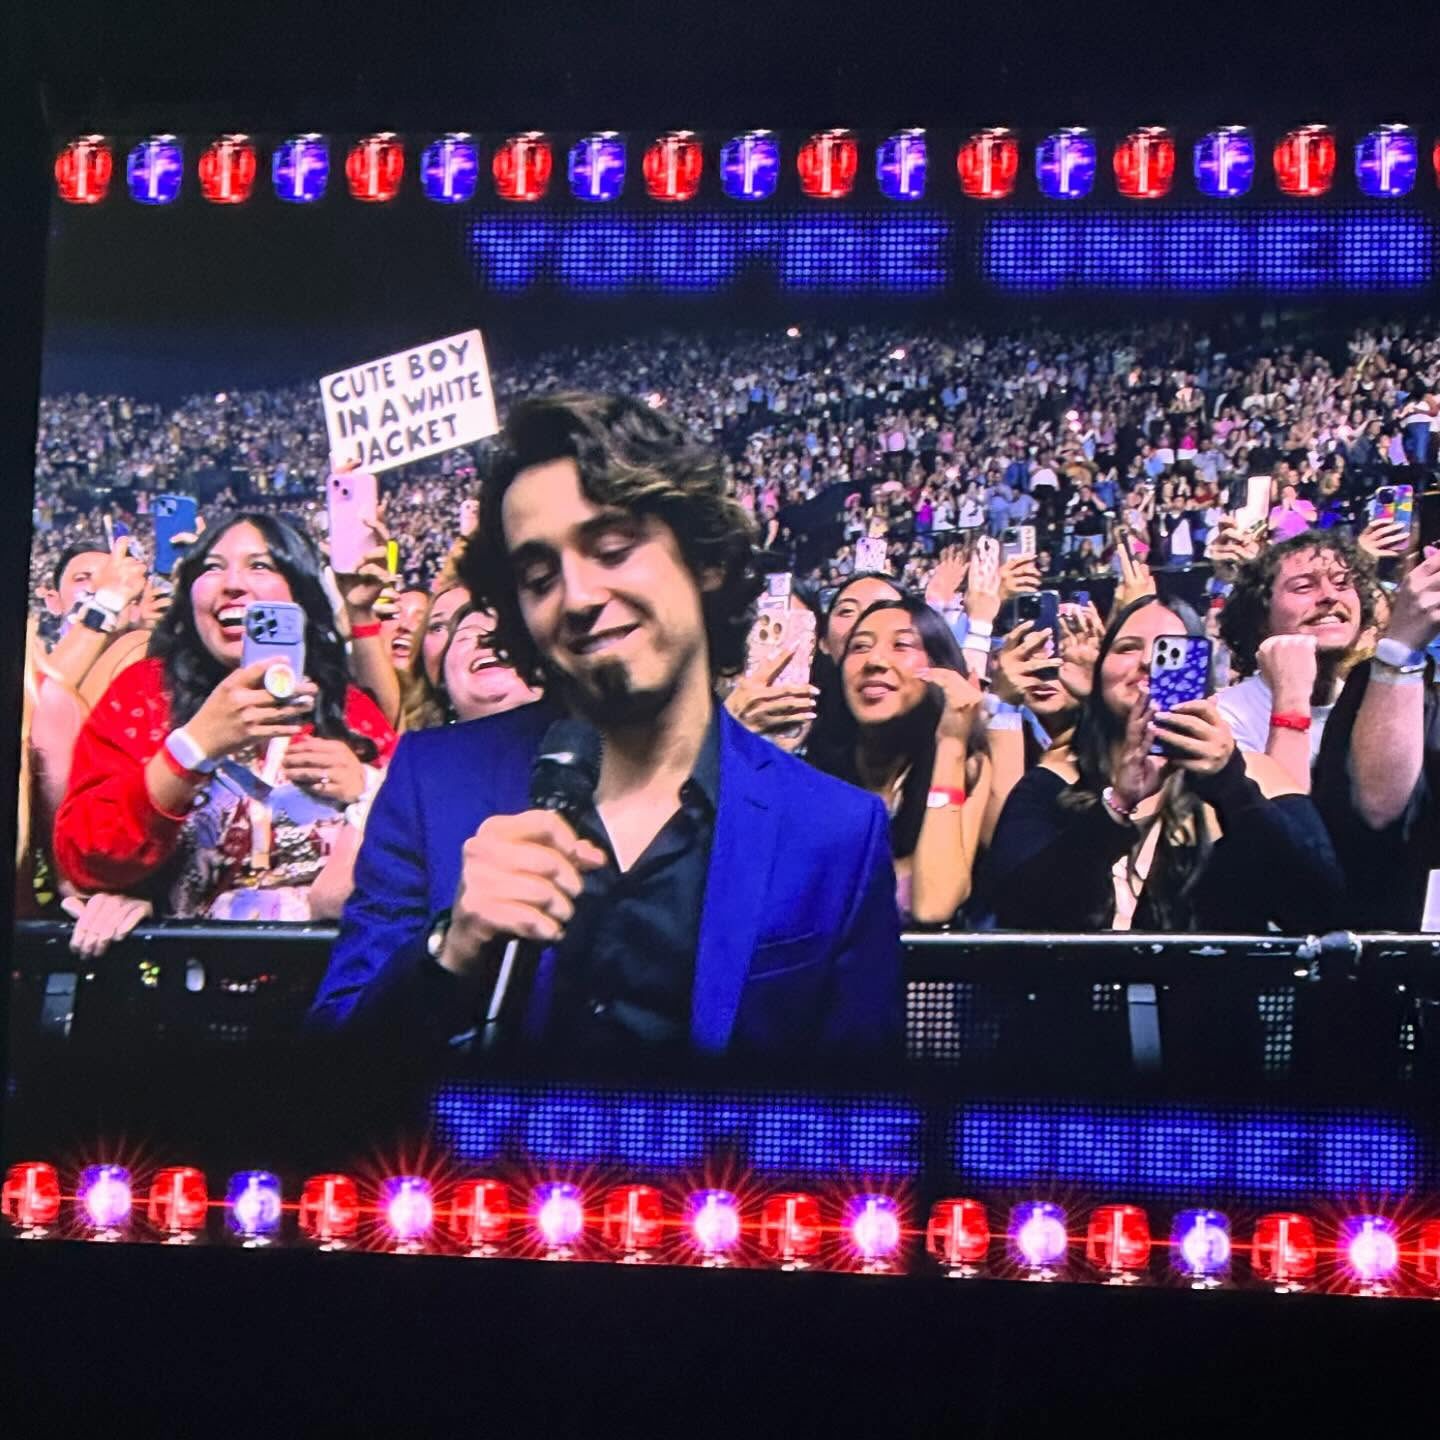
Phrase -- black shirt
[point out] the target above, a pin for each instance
(626, 968)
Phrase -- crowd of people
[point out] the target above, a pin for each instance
(1029, 780)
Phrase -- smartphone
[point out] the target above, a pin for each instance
(275, 633)
(780, 585)
(1081, 598)
(352, 503)
(1042, 610)
(1179, 672)
(1395, 503)
(781, 632)
(174, 515)
(1018, 541)
(1255, 510)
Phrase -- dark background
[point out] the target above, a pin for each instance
(218, 1341)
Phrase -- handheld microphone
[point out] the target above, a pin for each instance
(563, 779)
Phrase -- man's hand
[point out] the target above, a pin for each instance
(520, 876)
(1383, 538)
(121, 573)
(1288, 666)
(1415, 606)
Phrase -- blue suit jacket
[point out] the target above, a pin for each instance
(799, 949)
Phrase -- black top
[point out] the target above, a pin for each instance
(1387, 870)
(626, 968)
(1050, 864)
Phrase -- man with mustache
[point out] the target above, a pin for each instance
(718, 897)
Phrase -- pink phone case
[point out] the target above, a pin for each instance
(351, 501)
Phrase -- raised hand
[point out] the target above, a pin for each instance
(1288, 666)
(962, 699)
(1383, 538)
(1135, 579)
(1019, 660)
(1081, 631)
(1139, 774)
(239, 711)
(1197, 734)
(766, 708)
(947, 579)
(982, 595)
(1415, 606)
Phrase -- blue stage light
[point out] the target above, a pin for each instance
(597, 167)
(1386, 161)
(300, 169)
(154, 170)
(1065, 164)
(750, 166)
(450, 169)
(900, 164)
(1225, 162)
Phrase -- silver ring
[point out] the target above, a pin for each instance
(324, 779)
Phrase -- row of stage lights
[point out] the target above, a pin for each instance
(478, 1220)
(828, 163)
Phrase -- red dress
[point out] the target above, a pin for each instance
(110, 837)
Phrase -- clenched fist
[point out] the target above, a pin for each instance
(1287, 666)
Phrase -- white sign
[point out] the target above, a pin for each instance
(409, 406)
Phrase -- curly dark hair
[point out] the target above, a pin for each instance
(1245, 620)
(192, 672)
(644, 461)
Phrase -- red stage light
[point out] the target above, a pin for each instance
(673, 165)
(227, 170)
(30, 1197)
(827, 163)
(1427, 1260)
(1305, 161)
(83, 169)
(1117, 1241)
(374, 166)
(634, 1219)
(521, 167)
(988, 163)
(480, 1215)
(958, 1235)
(179, 1203)
(1145, 163)
(1284, 1250)
(329, 1210)
(790, 1229)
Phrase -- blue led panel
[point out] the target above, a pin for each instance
(658, 1131)
(704, 251)
(1184, 1151)
(1193, 250)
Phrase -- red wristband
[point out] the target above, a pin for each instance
(176, 768)
(941, 796)
(1290, 722)
(365, 632)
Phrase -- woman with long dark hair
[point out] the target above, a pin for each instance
(1112, 836)
(919, 744)
(192, 783)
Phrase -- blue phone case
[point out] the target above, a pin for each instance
(174, 515)
(1179, 671)
(275, 630)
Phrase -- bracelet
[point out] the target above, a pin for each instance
(367, 631)
(179, 770)
(1290, 721)
(1383, 674)
(981, 627)
(1108, 800)
(943, 797)
(980, 644)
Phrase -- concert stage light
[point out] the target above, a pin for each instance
(827, 163)
(521, 167)
(1370, 1252)
(83, 169)
(714, 1220)
(633, 1221)
(559, 1218)
(154, 170)
(988, 163)
(409, 1210)
(1305, 161)
(329, 1210)
(1145, 163)
(673, 165)
(374, 168)
(1117, 1241)
(30, 1198)
(480, 1216)
(1200, 1247)
(1386, 161)
(1428, 1256)
(179, 1204)
(1065, 164)
(252, 1207)
(450, 168)
(1038, 1239)
(596, 167)
(103, 1200)
(958, 1236)
(872, 1224)
(300, 169)
(900, 165)
(227, 170)
(750, 166)
(790, 1229)
(1225, 162)
(1283, 1251)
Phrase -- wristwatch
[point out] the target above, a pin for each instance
(101, 612)
(435, 941)
(187, 753)
(1396, 655)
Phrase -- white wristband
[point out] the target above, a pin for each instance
(978, 643)
(981, 627)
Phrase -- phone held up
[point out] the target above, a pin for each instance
(353, 505)
(173, 515)
(275, 634)
(1180, 670)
